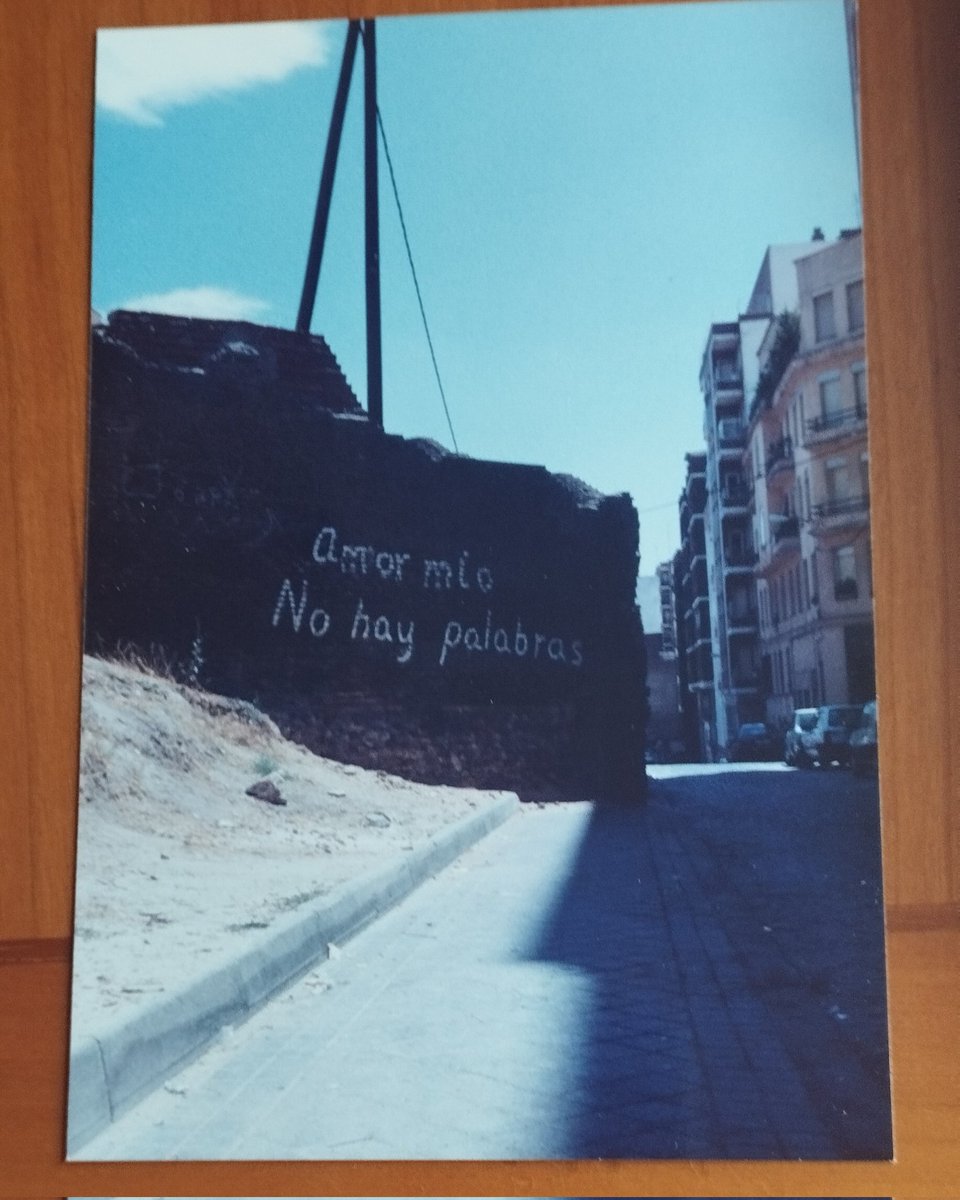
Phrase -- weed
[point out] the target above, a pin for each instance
(264, 765)
(195, 665)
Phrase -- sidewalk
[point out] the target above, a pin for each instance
(700, 978)
(121, 1063)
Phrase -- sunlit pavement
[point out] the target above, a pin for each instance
(698, 977)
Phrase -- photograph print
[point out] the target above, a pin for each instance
(479, 732)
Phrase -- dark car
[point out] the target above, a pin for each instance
(828, 741)
(753, 743)
(804, 720)
(863, 742)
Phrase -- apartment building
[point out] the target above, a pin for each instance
(729, 372)
(807, 457)
(692, 608)
(668, 612)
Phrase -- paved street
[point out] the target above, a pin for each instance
(701, 977)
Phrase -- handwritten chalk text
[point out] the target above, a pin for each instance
(438, 574)
(517, 643)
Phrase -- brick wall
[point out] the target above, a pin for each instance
(388, 603)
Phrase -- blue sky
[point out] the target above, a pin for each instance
(585, 192)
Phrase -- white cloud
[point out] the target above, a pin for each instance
(199, 302)
(143, 72)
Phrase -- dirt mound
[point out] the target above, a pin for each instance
(177, 862)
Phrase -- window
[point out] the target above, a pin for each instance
(824, 326)
(731, 429)
(855, 306)
(731, 485)
(860, 390)
(831, 405)
(844, 573)
(837, 479)
(726, 369)
(864, 475)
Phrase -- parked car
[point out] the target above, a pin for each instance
(804, 720)
(829, 740)
(863, 742)
(753, 743)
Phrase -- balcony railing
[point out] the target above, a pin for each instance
(844, 507)
(738, 558)
(702, 653)
(727, 377)
(785, 529)
(695, 495)
(731, 432)
(736, 495)
(837, 422)
(743, 619)
(745, 679)
(846, 589)
(780, 454)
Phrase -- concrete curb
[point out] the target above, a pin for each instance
(113, 1070)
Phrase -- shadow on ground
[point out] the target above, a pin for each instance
(732, 930)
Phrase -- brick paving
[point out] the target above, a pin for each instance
(700, 977)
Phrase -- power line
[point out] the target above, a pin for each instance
(413, 271)
(658, 507)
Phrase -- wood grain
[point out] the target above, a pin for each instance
(925, 1028)
(911, 98)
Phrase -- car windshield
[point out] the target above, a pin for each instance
(806, 719)
(848, 717)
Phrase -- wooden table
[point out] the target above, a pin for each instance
(911, 101)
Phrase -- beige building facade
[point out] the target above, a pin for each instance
(807, 455)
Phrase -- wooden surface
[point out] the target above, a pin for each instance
(925, 1031)
(911, 101)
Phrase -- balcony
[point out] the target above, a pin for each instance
(745, 681)
(846, 589)
(742, 621)
(847, 422)
(694, 495)
(731, 433)
(846, 513)
(784, 544)
(736, 497)
(735, 559)
(695, 581)
(785, 529)
(726, 373)
(779, 457)
(700, 666)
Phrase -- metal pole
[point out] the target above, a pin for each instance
(374, 357)
(319, 235)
